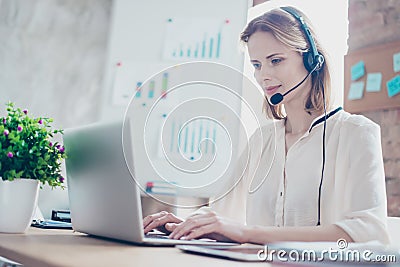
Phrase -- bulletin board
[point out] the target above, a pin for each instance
(372, 78)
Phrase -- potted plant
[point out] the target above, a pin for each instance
(28, 158)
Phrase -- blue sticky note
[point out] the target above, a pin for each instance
(396, 62)
(374, 81)
(393, 86)
(356, 91)
(357, 70)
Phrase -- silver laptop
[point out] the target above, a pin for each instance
(104, 197)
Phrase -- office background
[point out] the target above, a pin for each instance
(53, 56)
(373, 23)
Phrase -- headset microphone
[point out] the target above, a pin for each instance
(278, 97)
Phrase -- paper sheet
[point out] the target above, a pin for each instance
(374, 81)
(356, 91)
(396, 62)
(393, 86)
(357, 70)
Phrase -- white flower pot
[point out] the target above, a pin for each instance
(18, 199)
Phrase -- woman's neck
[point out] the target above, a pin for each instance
(298, 121)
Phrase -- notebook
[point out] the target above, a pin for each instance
(103, 194)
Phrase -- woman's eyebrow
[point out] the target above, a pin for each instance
(267, 57)
(272, 55)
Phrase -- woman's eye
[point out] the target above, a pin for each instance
(276, 61)
(257, 66)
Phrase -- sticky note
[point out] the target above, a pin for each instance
(396, 62)
(393, 86)
(374, 81)
(356, 90)
(357, 70)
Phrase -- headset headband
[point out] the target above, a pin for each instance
(317, 58)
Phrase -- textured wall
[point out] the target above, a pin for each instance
(52, 57)
(373, 22)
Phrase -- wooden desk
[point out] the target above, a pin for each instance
(44, 248)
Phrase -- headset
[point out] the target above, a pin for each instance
(313, 62)
(312, 59)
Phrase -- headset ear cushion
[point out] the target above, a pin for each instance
(308, 61)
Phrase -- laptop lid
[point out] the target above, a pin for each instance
(104, 199)
(103, 194)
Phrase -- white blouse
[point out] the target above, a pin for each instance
(274, 189)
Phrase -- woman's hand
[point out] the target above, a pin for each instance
(162, 221)
(209, 225)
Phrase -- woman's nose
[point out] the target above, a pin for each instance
(265, 73)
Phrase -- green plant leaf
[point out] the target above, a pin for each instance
(19, 174)
(32, 155)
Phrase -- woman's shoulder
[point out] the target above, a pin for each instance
(354, 120)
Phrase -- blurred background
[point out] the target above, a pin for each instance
(60, 58)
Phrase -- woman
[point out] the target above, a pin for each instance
(326, 181)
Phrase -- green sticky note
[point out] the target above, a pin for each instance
(357, 70)
(393, 86)
(356, 91)
(374, 81)
(396, 62)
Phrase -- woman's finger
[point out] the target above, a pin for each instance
(159, 221)
(171, 226)
(190, 224)
(148, 219)
(201, 231)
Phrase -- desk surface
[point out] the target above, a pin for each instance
(39, 247)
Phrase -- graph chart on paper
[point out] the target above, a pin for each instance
(192, 139)
(139, 80)
(154, 88)
(196, 39)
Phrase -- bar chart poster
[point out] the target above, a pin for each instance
(191, 138)
(195, 39)
(129, 81)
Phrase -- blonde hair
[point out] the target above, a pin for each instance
(285, 28)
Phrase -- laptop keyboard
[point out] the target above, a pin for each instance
(158, 236)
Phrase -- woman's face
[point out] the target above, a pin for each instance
(277, 68)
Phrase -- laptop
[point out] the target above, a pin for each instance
(104, 197)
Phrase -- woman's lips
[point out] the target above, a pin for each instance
(271, 90)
